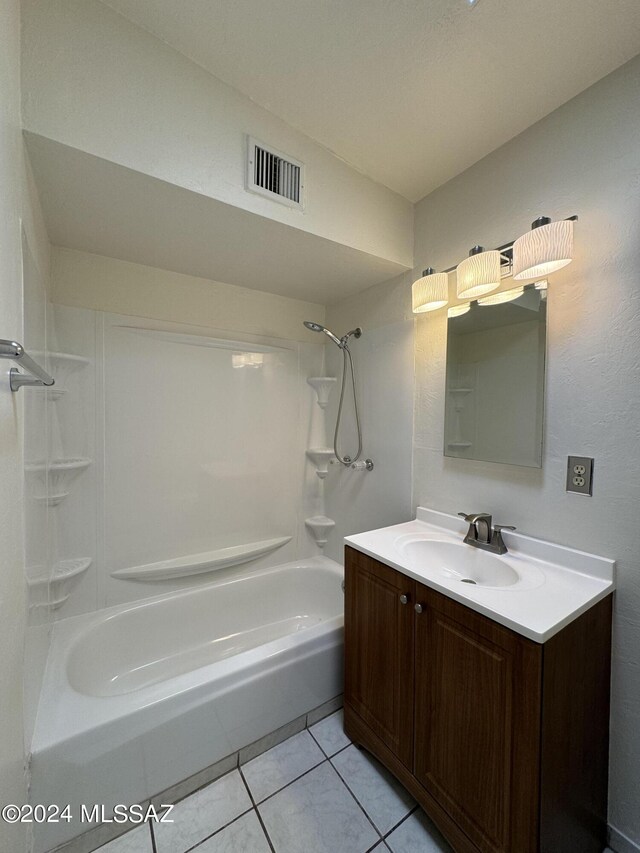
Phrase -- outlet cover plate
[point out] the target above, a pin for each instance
(580, 475)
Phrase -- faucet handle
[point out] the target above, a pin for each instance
(504, 527)
(474, 516)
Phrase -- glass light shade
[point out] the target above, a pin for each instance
(503, 296)
(478, 274)
(543, 250)
(430, 292)
(458, 310)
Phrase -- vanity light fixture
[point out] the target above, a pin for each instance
(430, 292)
(458, 310)
(480, 273)
(545, 249)
(503, 296)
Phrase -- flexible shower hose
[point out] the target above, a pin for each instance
(347, 460)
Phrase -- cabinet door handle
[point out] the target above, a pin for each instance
(404, 599)
(418, 608)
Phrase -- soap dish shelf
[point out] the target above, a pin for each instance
(320, 527)
(321, 457)
(322, 385)
(59, 583)
(62, 473)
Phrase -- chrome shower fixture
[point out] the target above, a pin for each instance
(347, 362)
(341, 342)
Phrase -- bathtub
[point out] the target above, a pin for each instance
(138, 697)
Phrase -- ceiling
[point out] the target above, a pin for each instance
(410, 92)
(97, 206)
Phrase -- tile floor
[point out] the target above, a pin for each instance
(313, 793)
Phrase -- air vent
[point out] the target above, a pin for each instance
(274, 174)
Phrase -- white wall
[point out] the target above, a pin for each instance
(98, 83)
(584, 158)
(18, 210)
(383, 359)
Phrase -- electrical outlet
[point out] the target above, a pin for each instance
(580, 475)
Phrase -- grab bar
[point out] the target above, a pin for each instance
(15, 351)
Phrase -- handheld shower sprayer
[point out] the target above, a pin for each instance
(343, 344)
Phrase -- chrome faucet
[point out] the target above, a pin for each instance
(483, 534)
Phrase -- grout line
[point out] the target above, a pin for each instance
(264, 829)
(306, 773)
(258, 815)
(207, 837)
(324, 751)
(400, 822)
(362, 808)
(340, 751)
(153, 838)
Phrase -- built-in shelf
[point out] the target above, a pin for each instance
(62, 472)
(322, 385)
(321, 456)
(320, 527)
(458, 395)
(53, 590)
(197, 564)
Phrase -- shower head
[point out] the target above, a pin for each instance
(316, 327)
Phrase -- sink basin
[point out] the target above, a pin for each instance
(458, 562)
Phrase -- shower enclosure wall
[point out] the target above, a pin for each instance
(173, 462)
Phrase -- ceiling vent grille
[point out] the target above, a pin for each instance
(274, 174)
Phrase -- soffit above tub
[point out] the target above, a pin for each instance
(97, 206)
(410, 92)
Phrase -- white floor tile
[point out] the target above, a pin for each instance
(135, 841)
(317, 814)
(382, 797)
(417, 835)
(274, 769)
(330, 734)
(244, 835)
(202, 814)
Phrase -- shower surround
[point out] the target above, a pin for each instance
(204, 603)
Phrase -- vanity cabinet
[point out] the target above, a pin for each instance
(503, 741)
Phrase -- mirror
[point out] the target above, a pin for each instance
(495, 379)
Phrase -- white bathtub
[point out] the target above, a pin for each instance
(138, 697)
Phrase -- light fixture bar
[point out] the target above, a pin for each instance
(507, 249)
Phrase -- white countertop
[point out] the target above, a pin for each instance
(556, 584)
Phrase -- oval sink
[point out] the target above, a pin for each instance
(459, 562)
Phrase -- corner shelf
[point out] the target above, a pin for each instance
(321, 456)
(197, 564)
(59, 583)
(62, 472)
(323, 386)
(320, 527)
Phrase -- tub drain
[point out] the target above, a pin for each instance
(467, 580)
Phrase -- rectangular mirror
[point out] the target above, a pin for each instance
(495, 379)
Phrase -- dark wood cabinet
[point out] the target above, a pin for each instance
(503, 741)
(380, 669)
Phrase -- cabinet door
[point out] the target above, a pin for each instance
(379, 650)
(477, 723)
